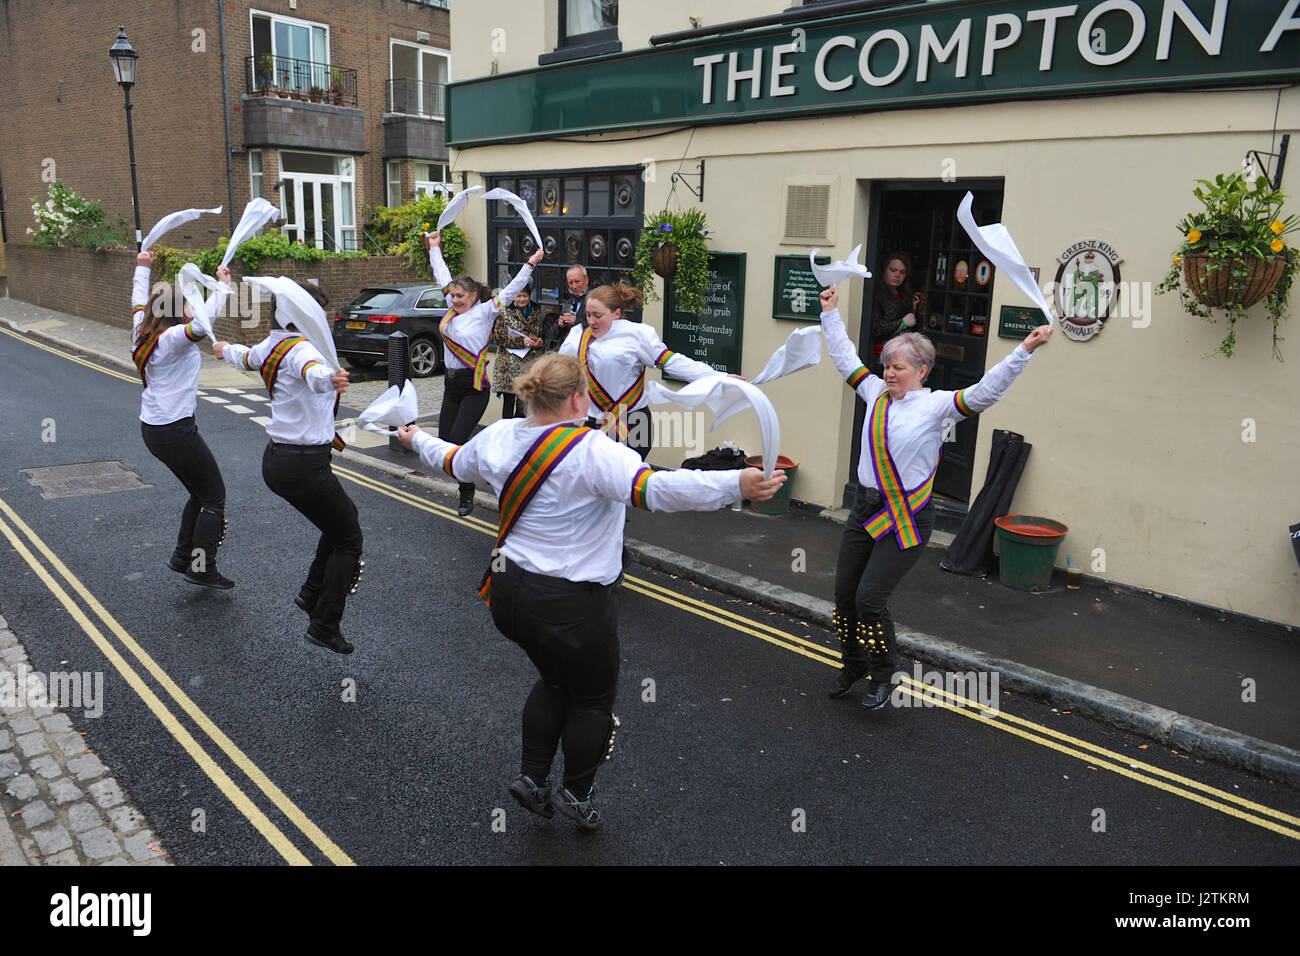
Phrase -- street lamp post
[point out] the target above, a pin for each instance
(123, 57)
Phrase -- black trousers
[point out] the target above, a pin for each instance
(866, 573)
(512, 406)
(182, 449)
(462, 407)
(301, 475)
(640, 431)
(569, 630)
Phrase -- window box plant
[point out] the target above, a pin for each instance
(673, 245)
(265, 75)
(1234, 254)
(336, 87)
(315, 94)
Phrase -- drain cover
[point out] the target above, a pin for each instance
(84, 478)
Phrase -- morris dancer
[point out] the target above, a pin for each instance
(563, 491)
(892, 516)
(615, 354)
(296, 464)
(166, 355)
(465, 330)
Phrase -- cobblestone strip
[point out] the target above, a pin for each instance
(60, 805)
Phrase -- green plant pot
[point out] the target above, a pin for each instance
(779, 503)
(1029, 546)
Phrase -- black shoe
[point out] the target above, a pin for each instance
(877, 694)
(307, 604)
(531, 797)
(581, 811)
(333, 642)
(179, 561)
(209, 579)
(845, 680)
(466, 503)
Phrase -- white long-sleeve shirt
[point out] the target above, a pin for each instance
(573, 526)
(914, 434)
(302, 402)
(472, 328)
(172, 372)
(621, 356)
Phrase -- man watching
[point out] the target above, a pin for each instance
(573, 309)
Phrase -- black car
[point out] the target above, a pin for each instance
(361, 330)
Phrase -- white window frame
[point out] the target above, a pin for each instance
(255, 182)
(390, 182)
(419, 63)
(296, 181)
(296, 21)
(430, 186)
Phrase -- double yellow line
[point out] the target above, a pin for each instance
(25, 541)
(134, 379)
(1093, 755)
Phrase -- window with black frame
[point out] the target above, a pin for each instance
(587, 217)
(586, 28)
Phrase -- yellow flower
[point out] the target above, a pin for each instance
(1177, 259)
(1194, 236)
(1277, 245)
(426, 227)
(1277, 227)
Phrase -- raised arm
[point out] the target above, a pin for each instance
(989, 389)
(842, 351)
(441, 274)
(140, 288)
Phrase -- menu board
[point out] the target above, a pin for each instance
(795, 290)
(712, 335)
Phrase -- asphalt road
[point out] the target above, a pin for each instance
(730, 751)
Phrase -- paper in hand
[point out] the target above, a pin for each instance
(726, 396)
(994, 240)
(833, 272)
(520, 206)
(393, 407)
(455, 205)
(802, 349)
(256, 215)
(168, 223)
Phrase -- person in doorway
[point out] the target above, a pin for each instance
(894, 309)
(573, 309)
(520, 316)
(465, 329)
(164, 336)
(559, 553)
(892, 515)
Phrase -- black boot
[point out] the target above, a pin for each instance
(466, 499)
(209, 534)
(184, 553)
(341, 577)
(852, 652)
(879, 637)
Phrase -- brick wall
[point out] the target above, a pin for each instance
(97, 285)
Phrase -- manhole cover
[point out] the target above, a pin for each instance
(84, 478)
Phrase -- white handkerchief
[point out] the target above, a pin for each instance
(802, 349)
(519, 353)
(830, 274)
(996, 243)
(190, 279)
(726, 396)
(168, 223)
(393, 407)
(293, 306)
(521, 207)
(456, 204)
(256, 215)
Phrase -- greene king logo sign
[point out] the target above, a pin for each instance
(1087, 286)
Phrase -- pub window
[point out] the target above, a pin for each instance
(586, 28)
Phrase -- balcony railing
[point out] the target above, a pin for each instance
(278, 75)
(403, 95)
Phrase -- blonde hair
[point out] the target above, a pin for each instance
(617, 297)
(550, 382)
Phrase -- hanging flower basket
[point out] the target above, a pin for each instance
(1219, 282)
(665, 261)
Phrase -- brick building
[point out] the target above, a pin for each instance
(214, 73)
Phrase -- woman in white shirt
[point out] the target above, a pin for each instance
(166, 354)
(465, 331)
(564, 489)
(296, 464)
(615, 354)
(892, 515)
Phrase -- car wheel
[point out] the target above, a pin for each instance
(425, 358)
(361, 362)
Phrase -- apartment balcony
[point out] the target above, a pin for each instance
(414, 120)
(301, 104)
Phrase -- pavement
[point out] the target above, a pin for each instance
(1195, 679)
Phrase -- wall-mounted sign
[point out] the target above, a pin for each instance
(1087, 284)
(796, 293)
(960, 272)
(983, 272)
(1017, 321)
(712, 335)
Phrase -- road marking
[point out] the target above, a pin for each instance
(71, 358)
(1042, 735)
(205, 723)
(206, 763)
(239, 409)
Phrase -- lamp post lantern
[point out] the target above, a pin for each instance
(123, 57)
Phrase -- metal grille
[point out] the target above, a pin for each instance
(85, 478)
(806, 209)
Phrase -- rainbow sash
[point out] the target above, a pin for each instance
(616, 409)
(142, 353)
(478, 361)
(900, 505)
(270, 370)
(525, 481)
